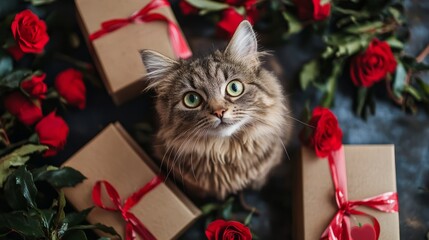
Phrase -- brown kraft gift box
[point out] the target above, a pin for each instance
(370, 172)
(116, 54)
(113, 156)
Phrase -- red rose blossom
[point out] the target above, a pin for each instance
(34, 86)
(230, 21)
(23, 108)
(29, 32)
(327, 135)
(372, 65)
(70, 86)
(52, 131)
(227, 230)
(312, 9)
(187, 8)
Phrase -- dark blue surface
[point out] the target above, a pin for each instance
(409, 133)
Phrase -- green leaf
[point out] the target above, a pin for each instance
(40, 2)
(59, 178)
(20, 191)
(46, 217)
(6, 64)
(97, 226)
(12, 80)
(395, 43)
(22, 223)
(294, 25)
(60, 216)
(17, 158)
(328, 97)
(399, 80)
(227, 210)
(75, 235)
(248, 218)
(209, 208)
(423, 86)
(367, 27)
(208, 5)
(413, 92)
(361, 99)
(76, 218)
(309, 73)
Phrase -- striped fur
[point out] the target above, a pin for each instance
(215, 160)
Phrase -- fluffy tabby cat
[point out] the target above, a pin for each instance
(223, 118)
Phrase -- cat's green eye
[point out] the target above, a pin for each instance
(234, 88)
(192, 100)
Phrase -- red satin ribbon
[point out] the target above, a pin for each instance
(339, 227)
(133, 224)
(180, 47)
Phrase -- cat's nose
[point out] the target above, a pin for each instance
(219, 113)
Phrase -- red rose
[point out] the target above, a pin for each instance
(231, 230)
(29, 32)
(52, 132)
(34, 86)
(229, 23)
(22, 108)
(187, 8)
(327, 135)
(372, 65)
(71, 88)
(312, 9)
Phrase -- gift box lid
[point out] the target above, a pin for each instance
(116, 54)
(113, 156)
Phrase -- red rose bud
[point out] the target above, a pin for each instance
(34, 86)
(372, 65)
(52, 131)
(187, 8)
(223, 230)
(22, 108)
(29, 32)
(312, 9)
(71, 88)
(327, 135)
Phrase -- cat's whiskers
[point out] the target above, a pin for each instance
(193, 133)
(299, 121)
(170, 146)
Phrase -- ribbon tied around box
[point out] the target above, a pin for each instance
(339, 227)
(177, 40)
(133, 224)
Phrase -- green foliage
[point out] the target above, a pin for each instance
(31, 222)
(59, 178)
(6, 64)
(17, 158)
(309, 73)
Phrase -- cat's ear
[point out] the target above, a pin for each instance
(243, 45)
(157, 66)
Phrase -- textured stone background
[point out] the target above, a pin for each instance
(409, 133)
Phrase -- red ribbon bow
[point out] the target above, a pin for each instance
(133, 224)
(339, 227)
(180, 47)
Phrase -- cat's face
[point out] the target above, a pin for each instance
(218, 95)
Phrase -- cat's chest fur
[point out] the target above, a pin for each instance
(219, 166)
